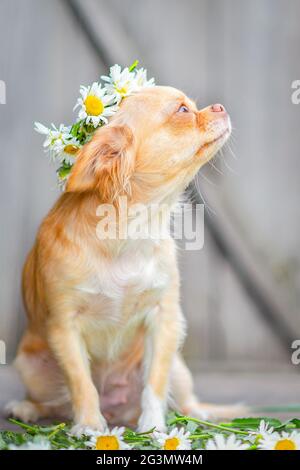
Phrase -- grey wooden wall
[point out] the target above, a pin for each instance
(243, 54)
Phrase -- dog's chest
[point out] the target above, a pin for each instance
(118, 298)
(127, 286)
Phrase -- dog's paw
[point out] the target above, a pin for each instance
(24, 410)
(153, 413)
(79, 429)
(149, 421)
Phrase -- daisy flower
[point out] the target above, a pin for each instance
(119, 83)
(141, 80)
(108, 440)
(283, 441)
(219, 442)
(54, 136)
(95, 105)
(41, 444)
(264, 428)
(69, 151)
(177, 439)
(59, 142)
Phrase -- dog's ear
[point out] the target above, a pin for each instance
(105, 164)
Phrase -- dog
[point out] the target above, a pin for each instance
(105, 325)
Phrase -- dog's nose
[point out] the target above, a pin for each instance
(217, 108)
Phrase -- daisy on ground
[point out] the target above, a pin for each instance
(41, 444)
(176, 439)
(108, 440)
(220, 442)
(263, 429)
(95, 105)
(280, 441)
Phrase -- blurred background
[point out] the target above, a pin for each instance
(241, 292)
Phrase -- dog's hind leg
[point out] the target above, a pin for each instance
(186, 402)
(46, 393)
(27, 410)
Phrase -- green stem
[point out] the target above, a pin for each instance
(208, 424)
(58, 428)
(200, 436)
(23, 425)
(133, 66)
(145, 433)
(253, 447)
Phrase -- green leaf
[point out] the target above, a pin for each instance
(3, 444)
(289, 425)
(170, 417)
(75, 128)
(296, 422)
(191, 427)
(64, 171)
(252, 423)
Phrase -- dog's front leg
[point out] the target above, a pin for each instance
(163, 335)
(69, 349)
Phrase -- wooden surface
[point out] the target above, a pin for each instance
(244, 54)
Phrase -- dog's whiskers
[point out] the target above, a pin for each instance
(215, 168)
(209, 209)
(228, 146)
(207, 179)
(229, 168)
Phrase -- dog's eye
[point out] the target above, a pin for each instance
(183, 109)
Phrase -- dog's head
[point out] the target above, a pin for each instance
(152, 147)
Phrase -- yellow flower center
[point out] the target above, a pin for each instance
(122, 91)
(172, 443)
(107, 443)
(54, 139)
(285, 444)
(71, 149)
(93, 105)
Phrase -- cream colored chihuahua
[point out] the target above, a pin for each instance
(104, 321)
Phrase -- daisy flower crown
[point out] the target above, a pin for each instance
(96, 103)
